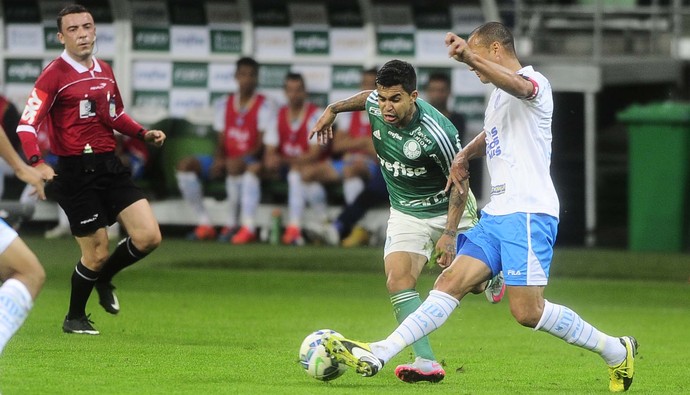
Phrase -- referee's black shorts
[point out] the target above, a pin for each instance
(93, 194)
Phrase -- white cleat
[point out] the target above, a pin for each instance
(420, 370)
(496, 288)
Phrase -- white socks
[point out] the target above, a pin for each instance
(242, 191)
(299, 193)
(251, 196)
(190, 187)
(316, 196)
(427, 318)
(15, 303)
(295, 198)
(233, 190)
(352, 187)
(564, 323)
(557, 320)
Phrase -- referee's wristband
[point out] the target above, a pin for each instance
(141, 134)
(35, 160)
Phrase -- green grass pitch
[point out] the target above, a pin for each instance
(205, 318)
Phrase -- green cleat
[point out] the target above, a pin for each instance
(622, 374)
(355, 354)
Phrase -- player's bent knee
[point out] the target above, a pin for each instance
(397, 284)
(32, 275)
(188, 164)
(524, 316)
(450, 283)
(479, 288)
(36, 279)
(39, 275)
(307, 177)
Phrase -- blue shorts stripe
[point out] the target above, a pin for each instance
(520, 244)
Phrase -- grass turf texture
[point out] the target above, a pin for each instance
(205, 318)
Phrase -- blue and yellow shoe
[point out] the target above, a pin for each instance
(622, 374)
(355, 354)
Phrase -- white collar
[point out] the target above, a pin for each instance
(80, 68)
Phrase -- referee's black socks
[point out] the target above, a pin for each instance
(83, 280)
(125, 254)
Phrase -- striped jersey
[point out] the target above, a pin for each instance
(415, 160)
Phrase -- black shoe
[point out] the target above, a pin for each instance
(107, 297)
(81, 325)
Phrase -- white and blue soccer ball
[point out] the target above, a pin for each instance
(315, 360)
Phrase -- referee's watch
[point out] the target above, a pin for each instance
(34, 160)
(141, 134)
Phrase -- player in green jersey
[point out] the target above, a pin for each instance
(415, 145)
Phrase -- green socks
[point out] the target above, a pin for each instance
(405, 303)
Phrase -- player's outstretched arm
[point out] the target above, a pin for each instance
(324, 126)
(501, 76)
(23, 171)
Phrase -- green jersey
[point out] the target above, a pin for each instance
(415, 160)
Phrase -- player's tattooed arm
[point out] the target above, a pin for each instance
(356, 102)
(445, 247)
(456, 207)
(323, 129)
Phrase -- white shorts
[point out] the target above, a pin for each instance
(7, 235)
(407, 233)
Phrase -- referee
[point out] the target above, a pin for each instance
(77, 99)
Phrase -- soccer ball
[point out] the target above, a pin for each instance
(315, 360)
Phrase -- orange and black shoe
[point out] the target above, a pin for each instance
(227, 233)
(293, 236)
(243, 236)
(202, 232)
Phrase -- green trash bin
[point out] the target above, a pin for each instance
(659, 150)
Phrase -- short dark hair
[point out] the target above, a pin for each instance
(494, 31)
(248, 62)
(438, 76)
(70, 9)
(292, 76)
(397, 72)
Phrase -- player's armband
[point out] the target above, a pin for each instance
(535, 88)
